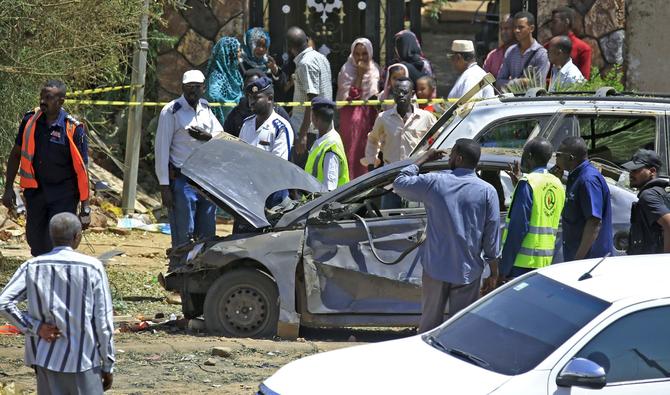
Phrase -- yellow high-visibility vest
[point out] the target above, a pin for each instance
(332, 143)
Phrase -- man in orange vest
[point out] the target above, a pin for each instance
(50, 155)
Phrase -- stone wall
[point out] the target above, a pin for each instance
(647, 43)
(198, 25)
(601, 23)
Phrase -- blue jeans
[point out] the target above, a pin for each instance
(192, 216)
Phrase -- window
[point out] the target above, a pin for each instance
(615, 139)
(509, 134)
(635, 347)
(518, 328)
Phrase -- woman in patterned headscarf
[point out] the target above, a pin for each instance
(255, 56)
(224, 81)
(358, 80)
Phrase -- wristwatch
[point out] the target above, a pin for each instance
(85, 210)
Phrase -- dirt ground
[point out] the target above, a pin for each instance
(167, 358)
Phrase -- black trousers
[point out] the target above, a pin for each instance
(39, 212)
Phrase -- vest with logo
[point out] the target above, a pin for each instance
(26, 170)
(314, 166)
(537, 247)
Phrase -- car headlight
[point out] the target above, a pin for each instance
(264, 390)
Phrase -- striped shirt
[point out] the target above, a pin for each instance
(69, 290)
(312, 77)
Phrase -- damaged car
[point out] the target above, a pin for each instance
(321, 259)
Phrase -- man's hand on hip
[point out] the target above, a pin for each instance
(48, 332)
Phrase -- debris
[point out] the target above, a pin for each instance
(153, 357)
(225, 352)
(210, 362)
(352, 339)
(173, 317)
(197, 325)
(173, 298)
(115, 188)
(9, 330)
(300, 340)
(159, 316)
(120, 351)
(106, 256)
(271, 354)
(120, 231)
(206, 381)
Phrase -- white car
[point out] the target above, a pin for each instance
(585, 327)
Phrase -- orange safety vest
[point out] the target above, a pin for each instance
(26, 170)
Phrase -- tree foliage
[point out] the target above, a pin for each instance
(85, 43)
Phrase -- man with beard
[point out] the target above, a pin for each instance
(650, 215)
(462, 234)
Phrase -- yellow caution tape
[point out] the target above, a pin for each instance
(233, 104)
(100, 90)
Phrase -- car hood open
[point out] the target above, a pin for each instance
(241, 177)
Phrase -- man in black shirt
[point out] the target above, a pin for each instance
(650, 215)
(234, 120)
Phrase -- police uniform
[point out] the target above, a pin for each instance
(52, 172)
(326, 160)
(275, 134)
(192, 215)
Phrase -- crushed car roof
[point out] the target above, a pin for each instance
(241, 177)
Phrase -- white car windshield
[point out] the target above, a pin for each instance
(518, 328)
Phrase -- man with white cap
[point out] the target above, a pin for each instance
(464, 62)
(184, 124)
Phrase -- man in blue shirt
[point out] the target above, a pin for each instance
(521, 232)
(462, 234)
(587, 216)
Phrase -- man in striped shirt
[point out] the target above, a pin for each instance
(68, 325)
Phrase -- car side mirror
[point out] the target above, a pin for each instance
(582, 372)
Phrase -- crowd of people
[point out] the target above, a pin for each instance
(67, 290)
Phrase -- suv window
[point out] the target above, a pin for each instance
(615, 139)
(635, 347)
(510, 134)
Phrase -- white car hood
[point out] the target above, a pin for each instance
(405, 366)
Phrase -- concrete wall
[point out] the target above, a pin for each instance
(648, 43)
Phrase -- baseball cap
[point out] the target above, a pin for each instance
(192, 76)
(643, 158)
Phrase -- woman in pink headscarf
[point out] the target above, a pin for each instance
(358, 80)
(395, 71)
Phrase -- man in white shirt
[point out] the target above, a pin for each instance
(464, 62)
(266, 129)
(397, 131)
(564, 73)
(327, 160)
(185, 124)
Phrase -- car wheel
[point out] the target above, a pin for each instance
(242, 303)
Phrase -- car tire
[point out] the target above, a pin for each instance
(242, 303)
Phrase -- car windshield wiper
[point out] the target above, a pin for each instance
(432, 340)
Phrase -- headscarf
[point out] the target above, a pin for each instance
(409, 53)
(251, 39)
(347, 75)
(386, 93)
(224, 81)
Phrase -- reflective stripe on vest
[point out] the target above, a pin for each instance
(317, 156)
(26, 170)
(537, 247)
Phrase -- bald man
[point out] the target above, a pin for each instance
(532, 220)
(564, 73)
(68, 325)
(312, 79)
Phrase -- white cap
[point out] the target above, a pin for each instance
(462, 46)
(193, 76)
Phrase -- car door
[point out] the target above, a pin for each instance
(343, 254)
(632, 346)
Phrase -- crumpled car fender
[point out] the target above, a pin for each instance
(278, 252)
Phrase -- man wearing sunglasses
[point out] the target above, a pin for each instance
(587, 216)
(650, 215)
